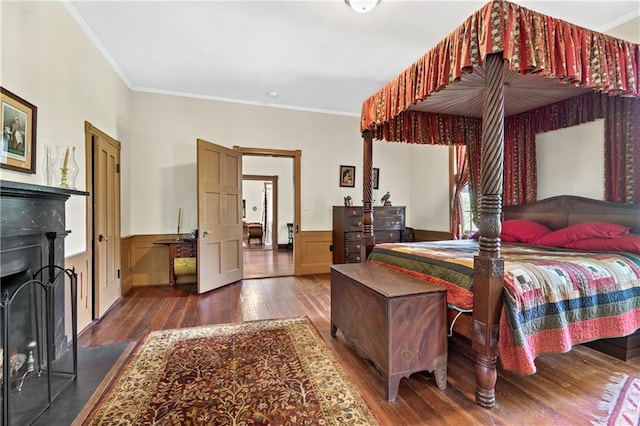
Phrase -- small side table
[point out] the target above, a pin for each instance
(178, 249)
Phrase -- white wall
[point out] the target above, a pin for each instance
(571, 161)
(47, 60)
(393, 160)
(252, 194)
(629, 30)
(429, 188)
(163, 150)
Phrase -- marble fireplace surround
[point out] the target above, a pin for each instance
(32, 232)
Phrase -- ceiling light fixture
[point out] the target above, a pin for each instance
(362, 6)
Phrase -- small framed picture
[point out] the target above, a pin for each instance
(347, 176)
(18, 117)
(376, 177)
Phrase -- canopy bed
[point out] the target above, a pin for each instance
(504, 75)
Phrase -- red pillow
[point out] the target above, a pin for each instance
(522, 231)
(582, 231)
(627, 242)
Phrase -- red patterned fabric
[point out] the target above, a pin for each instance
(553, 299)
(569, 112)
(622, 150)
(462, 179)
(620, 402)
(581, 231)
(520, 165)
(530, 42)
(627, 242)
(522, 231)
(268, 372)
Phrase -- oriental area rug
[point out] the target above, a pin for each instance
(276, 372)
(621, 402)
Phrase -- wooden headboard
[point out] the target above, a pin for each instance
(564, 210)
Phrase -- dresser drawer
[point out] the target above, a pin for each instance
(353, 237)
(348, 243)
(185, 250)
(388, 222)
(353, 223)
(353, 247)
(388, 211)
(353, 212)
(390, 236)
(354, 258)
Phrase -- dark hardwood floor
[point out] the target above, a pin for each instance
(263, 262)
(565, 390)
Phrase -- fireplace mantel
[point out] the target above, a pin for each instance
(32, 233)
(10, 190)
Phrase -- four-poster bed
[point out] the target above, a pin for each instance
(507, 67)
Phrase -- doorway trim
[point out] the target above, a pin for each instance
(91, 132)
(296, 155)
(274, 204)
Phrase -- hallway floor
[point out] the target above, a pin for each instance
(263, 262)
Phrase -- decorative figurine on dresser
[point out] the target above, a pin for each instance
(348, 239)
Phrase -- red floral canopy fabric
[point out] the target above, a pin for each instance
(531, 44)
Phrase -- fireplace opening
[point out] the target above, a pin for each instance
(24, 324)
(33, 372)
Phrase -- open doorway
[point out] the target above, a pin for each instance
(263, 255)
(278, 175)
(260, 212)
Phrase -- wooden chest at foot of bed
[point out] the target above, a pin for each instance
(624, 348)
(395, 320)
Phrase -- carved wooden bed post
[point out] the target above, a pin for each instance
(488, 273)
(367, 192)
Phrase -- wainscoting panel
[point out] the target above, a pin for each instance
(316, 257)
(426, 235)
(82, 266)
(149, 262)
(126, 277)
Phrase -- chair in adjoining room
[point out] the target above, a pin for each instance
(290, 239)
(255, 232)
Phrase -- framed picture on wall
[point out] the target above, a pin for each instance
(347, 176)
(376, 177)
(18, 151)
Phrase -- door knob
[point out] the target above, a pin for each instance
(205, 233)
(102, 238)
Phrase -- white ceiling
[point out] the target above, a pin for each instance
(316, 55)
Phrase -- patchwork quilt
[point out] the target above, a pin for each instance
(553, 299)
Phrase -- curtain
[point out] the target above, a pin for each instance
(462, 178)
(622, 150)
(520, 171)
(473, 155)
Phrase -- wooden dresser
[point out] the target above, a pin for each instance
(348, 247)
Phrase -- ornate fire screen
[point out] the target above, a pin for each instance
(34, 371)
